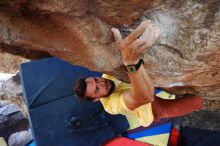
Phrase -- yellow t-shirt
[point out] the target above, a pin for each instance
(114, 104)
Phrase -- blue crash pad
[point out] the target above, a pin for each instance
(57, 117)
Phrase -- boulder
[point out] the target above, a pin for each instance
(20, 138)
(10, 63)
(12, 91)
(184, 59)
(4, 103)
(11, 120)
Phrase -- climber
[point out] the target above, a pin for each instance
(136, 99)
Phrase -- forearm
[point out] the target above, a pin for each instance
(142, 89)
(131, 48)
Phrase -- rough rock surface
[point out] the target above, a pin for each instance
(20, 138)
(10, 63)
(184, 60)
(11, 120)
(188, 49)
(11, 90)
(4, 103)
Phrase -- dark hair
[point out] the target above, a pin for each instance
(80, 89)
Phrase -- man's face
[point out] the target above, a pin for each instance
(98, 87)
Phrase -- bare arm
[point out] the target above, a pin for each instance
(131, 48)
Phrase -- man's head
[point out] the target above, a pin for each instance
(92, 88)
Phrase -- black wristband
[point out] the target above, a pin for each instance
(133, 68)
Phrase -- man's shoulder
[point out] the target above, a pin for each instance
(111, 103)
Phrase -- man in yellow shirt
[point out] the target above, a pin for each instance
(137, 99)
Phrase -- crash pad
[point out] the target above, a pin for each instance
(58, 117)
(122, 141)
(158, 133)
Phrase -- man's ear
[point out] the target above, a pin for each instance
(97, 99)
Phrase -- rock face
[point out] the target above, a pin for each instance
(20, 138)
(11, 120)
(184, 60)
(11, 90)
(188, 49)
(10, 63)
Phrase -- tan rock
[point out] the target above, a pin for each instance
(10, 63)
(184, 58)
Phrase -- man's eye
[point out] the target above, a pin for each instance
(97, 90)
